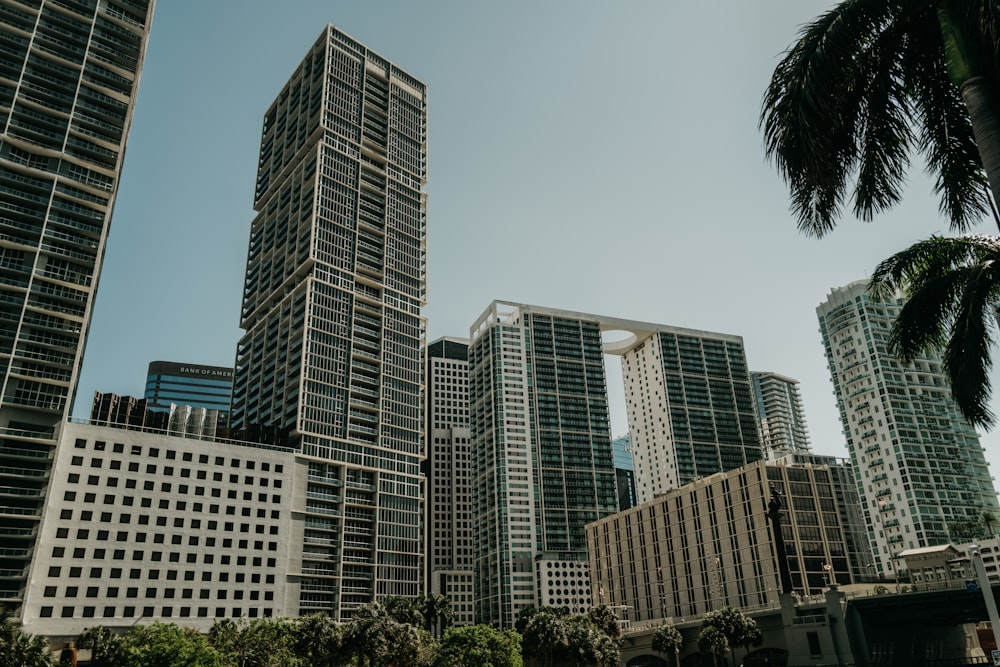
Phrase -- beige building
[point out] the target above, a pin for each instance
(142, 527)
(707, 545)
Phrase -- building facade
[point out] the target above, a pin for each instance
(707, 545)
(142, 526)
(541, 451)
(448, 469)
(624, 472)
(690, 408)
(779, 414)
(169, 383)
(68, 82)
(919, 463)
(333, 351)
(848, 505)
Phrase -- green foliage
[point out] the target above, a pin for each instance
(605, 618)
(320, 641)
(166, 645)
(555, 637)
(668, 639)
(479, 646)
(952, 286)
(105, 646)
(711, 641)
(260, 642)
(864, 87)
(734, 626)
(403, 610)
(20, 649)
(436, 611)
(375, 637)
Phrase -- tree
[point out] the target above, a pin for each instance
(586, 644)
(871, 81)
(367, 634)
(436, 610)
(868, 83)
(403, 610)
(19, 648)
(260, 642)
(479, 646)
(104, 645)
(544, 635)
(668, 639)
(320, 641)
(605, 618)
(989, 521)
(951, 287)
(712, 642)
(166, 645)
(737, 628)
(409, 646)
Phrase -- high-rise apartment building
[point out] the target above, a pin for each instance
(170, 383)
(448, 502)
(779, 414)
(541, 446)
(918, 462)
(333, 350)
(543, 467)
(68, 81)
(690, 408)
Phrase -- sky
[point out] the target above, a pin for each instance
(590, 155)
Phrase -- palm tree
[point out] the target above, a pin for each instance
(989, 520)
(872, 81)
(867, 84)
(20, 649)
(951, 287)
(713, 642)
(437, 612)
(668, 639)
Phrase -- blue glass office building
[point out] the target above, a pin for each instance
(209, 387)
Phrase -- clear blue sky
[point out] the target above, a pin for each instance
(599, 156)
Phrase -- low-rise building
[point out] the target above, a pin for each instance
(144, 526)
(708, 544)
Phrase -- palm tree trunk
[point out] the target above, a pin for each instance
(983, 102)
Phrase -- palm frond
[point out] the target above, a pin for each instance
(952, 286)
(967, 358)
(944, 130)
(884, 134)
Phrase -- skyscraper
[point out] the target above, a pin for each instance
(543, 467)
(918, 462)
(690, 409)
(448, 534)
(68, 82)
(779, 413)
(624, 472)
(332, 353)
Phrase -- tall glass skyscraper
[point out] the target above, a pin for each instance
(918, 462)
(68, 80)
(690, 409)
(543, 465)
(332, 354)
